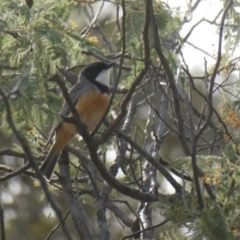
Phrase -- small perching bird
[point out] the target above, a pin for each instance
(90, 96)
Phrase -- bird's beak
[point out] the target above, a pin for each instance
(109, 65)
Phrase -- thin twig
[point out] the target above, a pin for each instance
(93, 21)
(17, 172)
(56, 227)
(73, 205)
(146, 229)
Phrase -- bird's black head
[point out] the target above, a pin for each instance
(97, 71)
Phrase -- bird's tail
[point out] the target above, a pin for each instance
(64, 133)
(49, 163)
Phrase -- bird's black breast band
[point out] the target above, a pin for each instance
(102, 88)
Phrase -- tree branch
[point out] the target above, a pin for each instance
(32, 162)
(2, 228)
(73, 205)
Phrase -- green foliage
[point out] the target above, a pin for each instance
(212, 225)
(33, 44)
(222, 173)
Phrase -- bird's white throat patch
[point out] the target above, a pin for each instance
(103, 77)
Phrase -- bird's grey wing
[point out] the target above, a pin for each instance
(82, 87)
(76, 91)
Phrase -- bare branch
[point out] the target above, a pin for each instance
(13, 172)
(73, 205)
(122, 145)
(32, 162)
(146, 229)
(119, 213)
(56, 227)
(2, 228)
(10, 152)
(93, 20)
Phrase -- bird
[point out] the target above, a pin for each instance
(90, 95)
